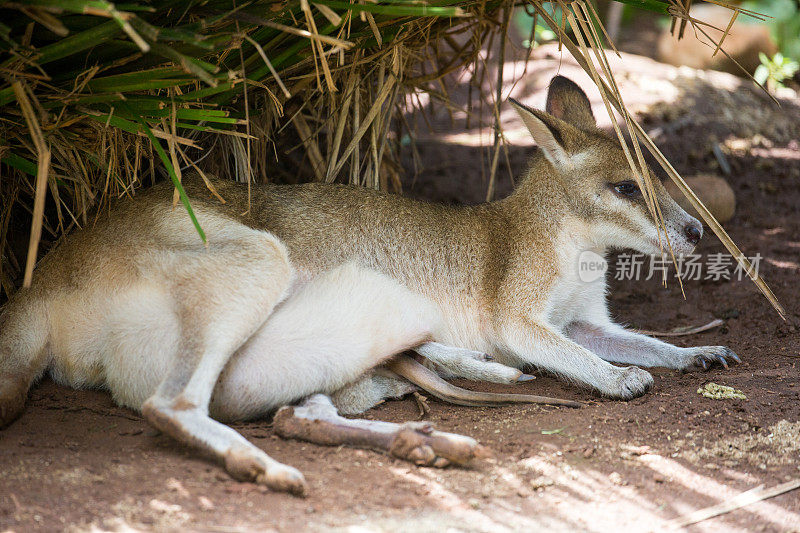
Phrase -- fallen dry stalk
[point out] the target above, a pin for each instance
(682, 332)
(746, 498)
(42, 170)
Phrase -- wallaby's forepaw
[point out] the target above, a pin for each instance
(421, 444)
(632, 383)
(246, 464)
(706, 357)
(470, 364)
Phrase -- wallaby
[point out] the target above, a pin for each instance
(180, 332)
(497, 278)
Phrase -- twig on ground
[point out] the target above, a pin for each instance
(681, 332)
(746, 498)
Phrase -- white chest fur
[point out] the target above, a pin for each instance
(580, 287)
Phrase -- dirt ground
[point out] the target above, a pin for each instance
(76, 461)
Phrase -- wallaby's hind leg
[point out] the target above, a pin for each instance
(368, 391)
(371, 389)
(13, 392)
(23, 354)
(316, 420)
(222, 296)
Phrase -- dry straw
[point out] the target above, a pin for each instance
(253, 91)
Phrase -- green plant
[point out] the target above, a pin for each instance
(526, 23)
(772, 72)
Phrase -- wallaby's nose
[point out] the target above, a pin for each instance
(693, 233)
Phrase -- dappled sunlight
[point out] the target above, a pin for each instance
(549, 491)
(776, 153)
(601, 501)
(794, 265)
(446, 499)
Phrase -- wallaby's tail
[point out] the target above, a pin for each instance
(23, 358)
(430, 382)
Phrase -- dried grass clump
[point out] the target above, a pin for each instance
(97, 99)
(121, 97)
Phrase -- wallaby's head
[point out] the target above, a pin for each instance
(596, 178)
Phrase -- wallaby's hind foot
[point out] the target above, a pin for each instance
(421, 444)
(243, 460)
(316, 421)
(245, 463)
(13, 393)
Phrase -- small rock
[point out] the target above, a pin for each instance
(713, 191)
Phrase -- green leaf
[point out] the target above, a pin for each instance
(552, 431)
(198, 68)
(5, 34)
(761, 74)
(395, 9)
(117, 122)
(7, 96)
(79, 42)
(650, 5)
(168, 164)
(101, 85)
(20, 163)
(203, 93)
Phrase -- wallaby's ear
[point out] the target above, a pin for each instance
(545, 132)
(567, 101)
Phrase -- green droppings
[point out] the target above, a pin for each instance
(720, 392)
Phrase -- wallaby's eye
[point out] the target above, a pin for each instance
(626, 188)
